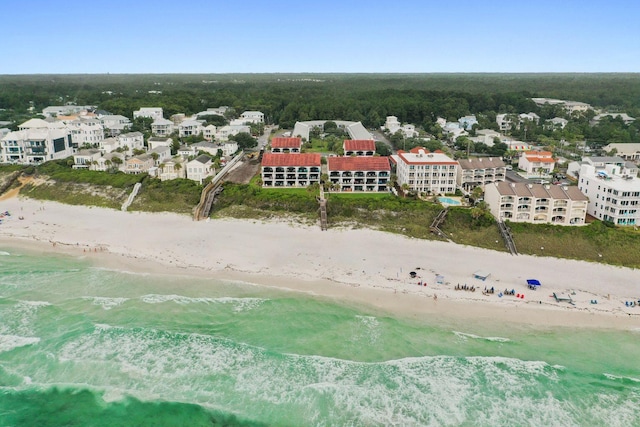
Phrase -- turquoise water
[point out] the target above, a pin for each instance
(86, 346)
(449, 201)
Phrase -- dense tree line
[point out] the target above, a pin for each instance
(287, 98)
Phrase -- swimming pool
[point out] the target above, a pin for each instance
(449, 201)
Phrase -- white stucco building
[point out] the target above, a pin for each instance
(614, 194)
(150, 112)
(425, 172)
(36, 141)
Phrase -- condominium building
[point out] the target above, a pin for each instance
(425, 172)
(536, 203)
(359, 147)
(290, 169)
(36, 141)
(359, 173)
(286, 145)
(614, 194)
(479, 172)
(86, 131)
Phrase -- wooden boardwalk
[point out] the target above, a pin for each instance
(507, 237)
(323, 210)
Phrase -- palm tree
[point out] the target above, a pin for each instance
(405, 189)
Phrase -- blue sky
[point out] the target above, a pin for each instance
(251, 36)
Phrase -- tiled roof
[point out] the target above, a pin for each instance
(291, 159)
(358, 163)
(481, 163)
(534, 159)
(359, 145)
(539, 153)
(282, 142)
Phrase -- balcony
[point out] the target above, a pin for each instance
(506, 206)
(315, 169)
(291, 170)
(334, 174)
(279, 176)
(267, 169)
(371, 174)
(291, 176)
(359, 174)
(507, 199)
(560, 203)
(347, 174)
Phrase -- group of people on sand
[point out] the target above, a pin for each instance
(465, 287)
(488, 291)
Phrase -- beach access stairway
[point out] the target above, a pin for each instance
(323, 210)
(132, 196)
(438, 221)
(507, 237)
(211, 190)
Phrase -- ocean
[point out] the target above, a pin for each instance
(82, 345)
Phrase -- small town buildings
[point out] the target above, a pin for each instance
(504, 121)
(628, 151)
(200, 168)
(359, 147)
(186, 151)
(355, 130)
(207, 147)
(149, 112)
(556, 123)
(536, 203)
(131, 141)
(218, 111)
(425, 172)
(65, 110)
(139, 164)
(36, 141)
(229, 148)
(614, 194)
(531, 117)
(160, 154)
(156, 141)
(162, 127)
(600, 162)
(223, 133)
(286, 145)
(252, 117)
(569, 106)
(107, 161)
(392, 125)
(537, 163)
(290, 169)
(189, 128)
(359, 173)
(114, 125)
(480, 172)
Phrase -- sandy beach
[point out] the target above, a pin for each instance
(360, 266)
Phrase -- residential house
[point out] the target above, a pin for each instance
(200, 168)
(156, 141)
(150, 112)
(504, 121)
(486, 137)
(114, 125)
(392, 125)
(139, 164)
(186, 151)
(359, 173)
(290, 169)
(209, 132)
(467, 122)
(225, 132)
(107, 161)
(208, 147)
(480, 172)
(84, 159)
(131, 141)
(189, 128)
(286, 145)
(359, 147)
(63, 110)
(536, 203)
(569, 106)
(229, 148)
(537, 163)
(623, 116)
(628, 151)
(162, 152)
(162, 127)
(556, 123)
(86, 132)
(219, 111)
(252, 117)
(172, 168)
(36, 141)
(531, 117)
(425, 172)
(614, 195)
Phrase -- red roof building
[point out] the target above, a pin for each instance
(290, 169)
(359, 147)
(286, 145)
(359, 173)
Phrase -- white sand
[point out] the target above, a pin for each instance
(362, 266)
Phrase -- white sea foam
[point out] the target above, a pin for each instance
(619, 377)
(115, 270)
(241, 304)
(466, 336)
(4, 253)
(106, 303)
(35, 304)
(10, 342)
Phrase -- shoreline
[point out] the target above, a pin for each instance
(363, 267)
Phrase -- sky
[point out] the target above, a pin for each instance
(342, 36)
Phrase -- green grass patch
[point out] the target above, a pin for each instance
(462, 228)
(176, 195)
(76, 194)
(594, 242)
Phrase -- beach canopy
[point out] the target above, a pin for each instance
(481, 274)
(533, 282)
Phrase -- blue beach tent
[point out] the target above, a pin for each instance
(533, 282)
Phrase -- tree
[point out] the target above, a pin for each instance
(244, 140)
(405, 189)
